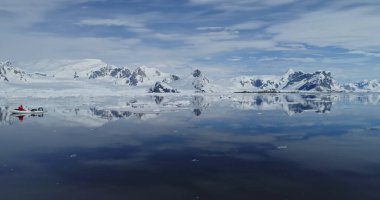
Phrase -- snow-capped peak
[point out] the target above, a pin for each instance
(10, 73)
(289, 72)
(197, 73)
(286, 77)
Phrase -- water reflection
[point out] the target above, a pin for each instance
(139, 149)
(117, 114)
(5, 116)
(291, 104)
(110, 114)
(198, 103)
(158, 99)
(21, 117)
(153, 106)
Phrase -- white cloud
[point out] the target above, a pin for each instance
(213, 42)
(34, 46)
(345, 61)
(25, 13)
(41, 46)
(355, 28)
(365, 53)
(188, 46)
(210, 28)
(111, 22)
(234, 59)
(158, 39)
(242, 5)
(251, 25)
(165, 36)
(213, 36)
(292, 59)
(133, 25)
(214, 47)
(248, 25)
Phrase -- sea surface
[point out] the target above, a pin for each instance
(240, 146)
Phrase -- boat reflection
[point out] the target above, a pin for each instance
(21, 117)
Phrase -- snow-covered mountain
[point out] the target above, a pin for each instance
(363, 86)
(196, 81)
(140, 76)
(200, 82)
(10, 73)
(95, 69)
(96, 78)
(320, 81)
(317, 81)
(68, 69)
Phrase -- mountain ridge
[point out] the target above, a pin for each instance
(95, 73)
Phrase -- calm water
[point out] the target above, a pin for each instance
(195, 147)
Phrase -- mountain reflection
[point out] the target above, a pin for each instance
(110, 114)
(116, 114)
(147, 107)
(5, 116)
(291, 104)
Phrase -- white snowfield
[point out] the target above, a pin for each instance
(94, 78)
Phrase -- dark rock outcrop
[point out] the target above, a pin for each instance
(160, 87)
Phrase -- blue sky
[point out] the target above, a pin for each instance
(227, 37)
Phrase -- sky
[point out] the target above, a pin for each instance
(218, 36)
